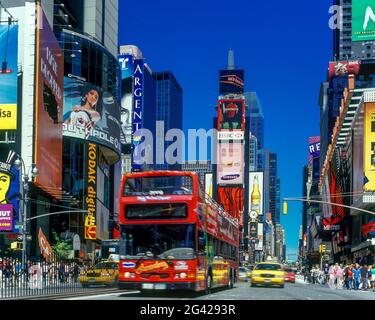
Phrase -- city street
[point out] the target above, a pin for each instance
(243, 291)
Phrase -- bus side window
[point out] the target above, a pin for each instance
(201, 243)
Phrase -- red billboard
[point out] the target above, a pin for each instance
(49, 106)
(340, 68)
(231, 115)
(232, 200)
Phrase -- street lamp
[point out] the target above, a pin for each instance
(26, 178)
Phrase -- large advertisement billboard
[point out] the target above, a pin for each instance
(49, 105)
(231, 115)
(91, 114)
(138, 86)
(363, 20)
(256, 192)
(91, 191)
(126, 67)
(369, 147)
(341, 68)
(314, 148)
(9, 190)
(230, 164)
(8, 76)
(232, 81)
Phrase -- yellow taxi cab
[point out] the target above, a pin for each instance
(103, 273)
(268, 273)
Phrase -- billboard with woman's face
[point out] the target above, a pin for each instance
(91, 114)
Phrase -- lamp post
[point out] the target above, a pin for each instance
(26, 178)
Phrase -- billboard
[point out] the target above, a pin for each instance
(9, 190)
(369, 147)
(208, 183)
(231, 115)
(91, 114)
(231, 135)
(314, 148)
(8, 76)
(363, 20)
(256, 192)
(259, 244)
(49, 105)
(232, 81)
(126, 94)
(341, 68)
(138, 86)
(90, 202)
(230, 164)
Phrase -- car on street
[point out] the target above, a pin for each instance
(103, 273)
(249, 273)
(290, 275)
(268, 273)
(242, 273)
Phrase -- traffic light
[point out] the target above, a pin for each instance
(16, 245)
(322, 248)
(285, 207)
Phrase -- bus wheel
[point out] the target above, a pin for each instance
(209, 284)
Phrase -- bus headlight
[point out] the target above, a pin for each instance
(183, 275)
(127, 274)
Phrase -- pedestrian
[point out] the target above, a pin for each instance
(331, 281)
(369, 277)
(349, 277)
(339, 276)
(326, 272)
(356, 276)
(373, 277)
(363, 272)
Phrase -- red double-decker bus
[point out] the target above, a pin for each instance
(173, 235)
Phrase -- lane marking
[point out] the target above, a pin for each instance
(103, 295)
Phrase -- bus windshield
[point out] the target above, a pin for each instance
(158, 241)
(158, 186)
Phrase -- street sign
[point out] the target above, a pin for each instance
(90, 232)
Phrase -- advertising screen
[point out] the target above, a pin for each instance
(231, 81)
(256, 193)
(9, 190)
(230, 164)
(91, 114)
(8, 77)
(91, 190)
(363, 20)
(341, 68)
(126, 66)
(369, 147)
(49, 102)
(253, 230)
(231, 115)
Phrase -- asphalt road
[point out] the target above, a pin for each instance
(243, 291)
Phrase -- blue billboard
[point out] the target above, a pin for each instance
(126, 96)
(9, 190)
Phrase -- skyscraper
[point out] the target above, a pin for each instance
(343, 46)
(255, 113)
(272, 187)
(169, 108)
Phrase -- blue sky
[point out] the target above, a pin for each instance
(284, 47)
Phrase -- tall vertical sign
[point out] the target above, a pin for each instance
(91, 190)
(369, 148)
(49, 106)
(138, 79)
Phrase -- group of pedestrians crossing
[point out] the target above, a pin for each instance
(338, 276)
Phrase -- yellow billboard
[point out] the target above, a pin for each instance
(8, 116)
(369, 147)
